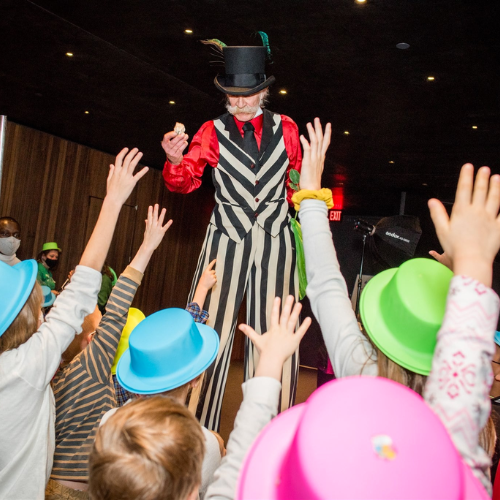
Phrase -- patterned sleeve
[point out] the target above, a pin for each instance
(98, 357)
(198, 314)
(204, 148)
(459, 384)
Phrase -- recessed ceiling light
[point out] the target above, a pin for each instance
(474, 126)
(360, 1)
(188, 32)
(86, 112)
(171, 102)
(430, 78)
(346, 132)
(283, 91)
(424, 183)
(391, 161)
(403, 45)
(69, 54)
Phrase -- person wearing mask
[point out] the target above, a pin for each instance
(10, 239)
(47, 261)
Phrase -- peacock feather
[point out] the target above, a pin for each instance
(265, 42)
(214, 42)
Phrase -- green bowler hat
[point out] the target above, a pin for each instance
(402, 310)
(51, 245)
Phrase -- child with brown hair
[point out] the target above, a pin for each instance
(136, 455)
(30, 352)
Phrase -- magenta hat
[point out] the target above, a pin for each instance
(357, 438)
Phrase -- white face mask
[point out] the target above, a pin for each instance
(9, 246)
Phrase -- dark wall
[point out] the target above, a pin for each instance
(54, 188)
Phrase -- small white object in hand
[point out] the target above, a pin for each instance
(179, 128)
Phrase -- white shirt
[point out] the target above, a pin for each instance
(27, 406)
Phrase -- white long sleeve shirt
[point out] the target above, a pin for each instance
(27, 407)
(259, 406)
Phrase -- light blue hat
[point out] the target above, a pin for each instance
(48, 296)
(497, 338)
(16, 284)
(166, 350)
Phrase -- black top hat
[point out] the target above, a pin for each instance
(245, 71)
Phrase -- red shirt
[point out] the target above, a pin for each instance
(204, 148)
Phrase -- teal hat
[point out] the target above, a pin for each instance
(48, 296)
(166, 350)
(51, 245)
(497, 338)
(402, 310)
(16, 284)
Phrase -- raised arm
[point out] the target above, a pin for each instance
(121, 181)
(100, 353)
(182, 173)
(260, 394)
(348, 349)
(79, 297)
(207, 280)
(459, 383)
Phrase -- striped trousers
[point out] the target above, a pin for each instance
(264, 267)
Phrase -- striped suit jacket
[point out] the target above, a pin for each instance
(249, 193)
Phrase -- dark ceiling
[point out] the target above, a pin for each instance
(337, 60)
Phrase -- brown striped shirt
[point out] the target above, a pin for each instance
(84, 389)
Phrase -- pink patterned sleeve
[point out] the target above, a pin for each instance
(459, 384)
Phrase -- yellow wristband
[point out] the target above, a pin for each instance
(308, 194)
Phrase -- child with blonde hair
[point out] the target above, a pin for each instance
(471, 239)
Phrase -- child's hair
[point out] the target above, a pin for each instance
(151, 449)
(26, 322)
(488, 437)
(388, 368)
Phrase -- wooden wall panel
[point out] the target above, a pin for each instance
(48, 185)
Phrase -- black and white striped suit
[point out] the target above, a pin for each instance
(250, 236)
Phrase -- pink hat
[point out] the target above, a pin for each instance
(357, 438)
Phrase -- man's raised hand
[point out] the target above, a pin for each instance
(174, 144)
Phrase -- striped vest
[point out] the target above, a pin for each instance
(246, 193)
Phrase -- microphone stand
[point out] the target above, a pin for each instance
(360, 277)
(365, 229)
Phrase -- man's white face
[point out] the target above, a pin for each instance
(244, 108)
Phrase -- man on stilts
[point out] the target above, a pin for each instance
(251, 151)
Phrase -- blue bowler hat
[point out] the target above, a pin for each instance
(16, 285)
(166, 350)
(497, 338)
(48, 296)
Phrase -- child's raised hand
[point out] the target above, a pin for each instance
(442, 258)
(121, 179)
(280, 341)
(313, 160)
(209, 277)
(471, 236)
(155, 230)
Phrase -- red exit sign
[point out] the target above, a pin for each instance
(335, 215)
